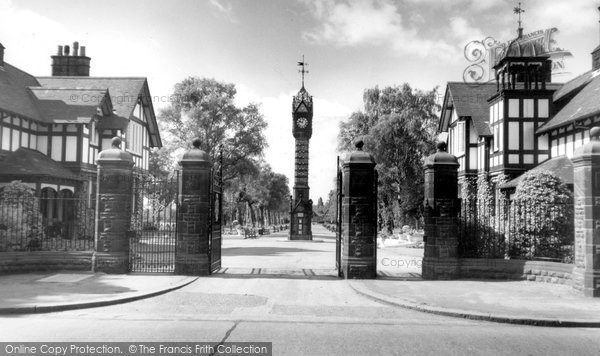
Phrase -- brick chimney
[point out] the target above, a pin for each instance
(76, 65)
(596, 55)
(1, 55)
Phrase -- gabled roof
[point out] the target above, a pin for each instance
(14, 95)
(124, 92)
(561, 166)
(25, 162)
(469, 100)
(70, 105)
(584, 104)
(572, 85)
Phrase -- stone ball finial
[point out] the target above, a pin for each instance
(441, 146)
(196, 142)
(116, 142)
(359, 144)
(595, 134)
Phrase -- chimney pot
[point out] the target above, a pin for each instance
(1, 55)
(63, 65)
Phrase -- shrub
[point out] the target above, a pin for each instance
(20, 218)
(543, 213)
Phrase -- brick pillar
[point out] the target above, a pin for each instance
(359, 215)
(586, 174)
(192, 250)
(113, 209)
(441, 216)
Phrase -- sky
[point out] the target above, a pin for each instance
(350, 45)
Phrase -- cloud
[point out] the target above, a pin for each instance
(577, 16)
(370, 22)
(355, 22)
(224, 8)
(25, 42)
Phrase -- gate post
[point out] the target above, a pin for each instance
(113, 210)
(586, 175)
(441, 216)
(359, 215)
(193, 213)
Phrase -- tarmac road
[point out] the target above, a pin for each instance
(299, 314)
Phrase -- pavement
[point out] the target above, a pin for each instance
(57, 291)
(248, 262)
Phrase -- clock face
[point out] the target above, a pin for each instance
(302, 122)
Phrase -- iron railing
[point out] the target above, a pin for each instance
(34, 223)
(516, 230)
(153, 224)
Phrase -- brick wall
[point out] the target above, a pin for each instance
(20, 262)
(540, 271)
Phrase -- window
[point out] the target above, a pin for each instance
(16, 135)
(513, 135)
(57, 148)
(460, 138)
(543, 142)
(93, 133)
(543, 108)
(528, 135)
(513, 107)
(134, 137)
(500, 109)
(497, 137)
(5, 138)
(528, 108)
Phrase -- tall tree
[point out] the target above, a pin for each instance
(205, 108)
(261, 194)
(398, 126)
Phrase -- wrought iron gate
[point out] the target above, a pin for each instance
(153, 224)
(338, 216)
(216, 214)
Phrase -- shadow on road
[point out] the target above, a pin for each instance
(260, 251)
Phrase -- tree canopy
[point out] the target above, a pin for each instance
(205, 108)
(398, 127)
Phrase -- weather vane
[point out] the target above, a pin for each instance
(518, 10)
(303, 64)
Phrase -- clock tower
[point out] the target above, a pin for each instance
(301, 205)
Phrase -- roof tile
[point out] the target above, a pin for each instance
(26, 162)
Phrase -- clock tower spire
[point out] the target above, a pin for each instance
(301, 208)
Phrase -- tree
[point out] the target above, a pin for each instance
(398, 126)
(205, 109)
(330, 207)
(259, 195)
(161, 162)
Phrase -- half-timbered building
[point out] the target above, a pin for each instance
(52, 128)
(521, 120)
